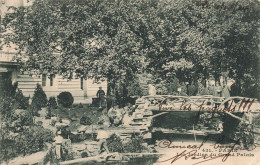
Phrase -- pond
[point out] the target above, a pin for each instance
(133, 161)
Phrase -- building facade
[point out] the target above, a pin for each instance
(81, 89)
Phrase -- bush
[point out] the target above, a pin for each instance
(173, 85)
(7, 100)
(21, 101)
(22, 118)
(84, 154)
(52, 103)
(33, 108)
(32, 140)
(6, 108)
(134, 145)
(39, 98)
(192, 89)
(114, 144)
(134, 88)
(8, 89)
(65, 99)
(85, 121)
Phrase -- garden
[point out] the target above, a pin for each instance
(20, 136)
(31, 128)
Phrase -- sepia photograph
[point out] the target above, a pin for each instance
(129, 82)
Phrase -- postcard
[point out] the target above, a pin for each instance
(132, 82)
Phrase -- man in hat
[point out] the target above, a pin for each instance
(101, 97)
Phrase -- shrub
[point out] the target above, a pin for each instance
(173, 85)
(134, 145)
(7, 144)
(33, 108)
(161, 88)
(52, 103)
(114, 144)
(32, 140)
(65, 99)
(39, 98)
(7, 99)
(21, 101)
(22, 118)
(85, 121)
(193, 89)
(84, 154)
(134, 88)
(6, 108)
(8, 89)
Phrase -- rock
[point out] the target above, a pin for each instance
(115, 157)
(82, 128)
(66, 121)
(54, 118)
(61, 125)
(147, 136)
(79, 147)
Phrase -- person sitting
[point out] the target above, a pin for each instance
(116, 115)
(102, 137)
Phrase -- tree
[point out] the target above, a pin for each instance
(39, 98)
(189, 39)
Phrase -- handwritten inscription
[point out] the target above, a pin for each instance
(244, 105)
(193, 152)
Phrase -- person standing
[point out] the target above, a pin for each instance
(101, 97)
(58, 142)
(225, 93)
(217, 90)
(151, 90)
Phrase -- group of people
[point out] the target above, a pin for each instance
(219, 91)
(101, 138)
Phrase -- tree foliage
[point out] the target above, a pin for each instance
(117, 39)
(65, 99)
(39, 98)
